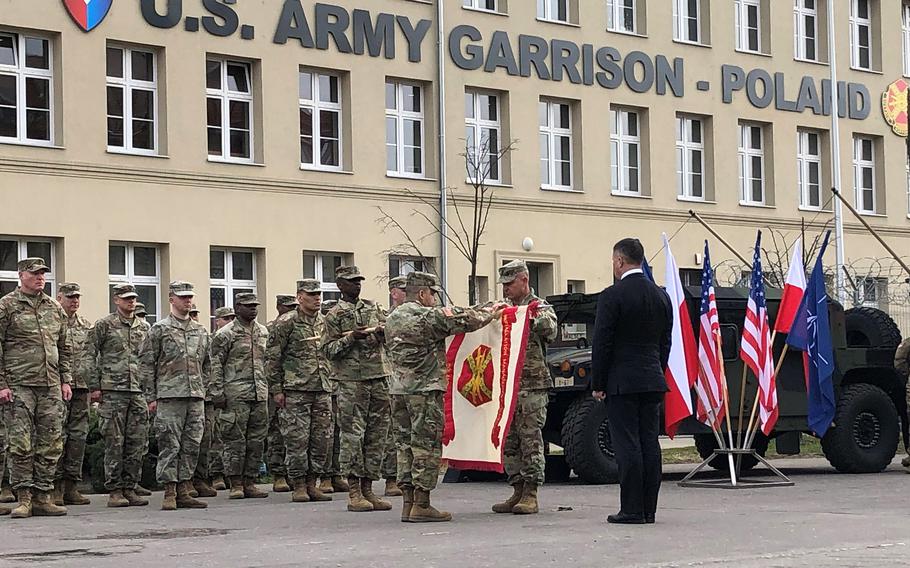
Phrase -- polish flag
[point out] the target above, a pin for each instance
(682, 369)
(794, 289)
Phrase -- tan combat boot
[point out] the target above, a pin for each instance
(407, 502)
(42, 506)
(313, 491)
(24, 510)
(236, 487)
(251, 491)
(326, 486)
(142, 491)
(170, 497)
(56, 495)
(340, 484)
(117, 499)
(507, 505)
(392, 489)
(366, 489)
(356, 501)
(203, 489)
(280, 484)
(184, 500)
(218, 483)
(71, 494)
(6, 494)
(134, 499)
(300, 494)
(5, 511)
(423, 512)
(528, 504)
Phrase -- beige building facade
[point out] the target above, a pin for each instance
(244, 145)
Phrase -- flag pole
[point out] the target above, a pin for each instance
(753, 428)
(755, 403)
(726, 393)
(742, 404)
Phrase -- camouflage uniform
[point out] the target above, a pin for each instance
(902, 365)
(205, 463)
(332, 468)
(75, 424)
(390, 459)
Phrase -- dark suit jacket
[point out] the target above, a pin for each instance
(632, 335)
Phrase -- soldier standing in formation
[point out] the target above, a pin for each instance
(332, 480)
(284, 303)
(175, 368)
(353, 342)
(75, 420)
(200, 485)
(415, 334)
(35, 379)
(240, 392)
(397, 296)
(141, 313)
(523, 453)
(222, 317)
(116, 383)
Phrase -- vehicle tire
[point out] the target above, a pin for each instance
(707, 443)
(864, 436)
(586, 441)
(870, 327)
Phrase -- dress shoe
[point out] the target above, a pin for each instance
(649, 519)
(621, 518)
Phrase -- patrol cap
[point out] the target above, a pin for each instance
(34, 265)
(349, 273)
(309, 285)
(510, 271)
(225, 312)
(181, 288)
(423, 280)
(140, 310)
(69, 290)
(194, 309)
(247, 299)
(399, 282)
(286, 300)
(125, 291)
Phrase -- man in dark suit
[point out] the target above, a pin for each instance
(631, 347)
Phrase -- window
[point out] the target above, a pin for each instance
(404, 265)
(861, 34)
(751, 164)
(575, 287)
(905, 37)
(231, 272)
(322, 265)
(553, 10)
(621, 16)
(26, 89)
(139, 265)
(132, 100)
(748, 25)
(14, 249)
(690, 158)
(625, 151)
(404, 129)
(687, 20)
(483, 132)
(229, 110)
(864, 174)
(805, 29)
(872, 292)
(486, 5)
(555, 120)
(809, 168)
(320, 120)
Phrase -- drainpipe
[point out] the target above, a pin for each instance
(441, 110)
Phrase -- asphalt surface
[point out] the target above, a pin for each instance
(825, 520)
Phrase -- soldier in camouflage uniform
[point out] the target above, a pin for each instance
(397, 296)
(116, 383)
(3, 449)
(75, 423)
(902, 365)
(332, 480)
(523, 454)
(175, 367)
(299, 383)
(35, 379)
(205, 465)
(284, 303)
(353, 342)
(415, 336)
(223, 316)
(140, 314)
(240, 392)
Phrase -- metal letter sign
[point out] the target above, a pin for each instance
(88, 13)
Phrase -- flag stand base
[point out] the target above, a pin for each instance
(780, 480)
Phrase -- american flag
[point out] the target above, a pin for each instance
(756, 349)
(709, 389)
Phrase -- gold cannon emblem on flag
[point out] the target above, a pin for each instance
(476, 380)
(894, 106)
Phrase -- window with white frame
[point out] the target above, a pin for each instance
(320, 120)
(555, 129)
(748, 25)
(690, 157)
(621, 16)
(14, 249)
(483, 134)
(805, 28)
(809, 168)
(322, 266)
(861, 34)
(864, 174)
(553, 10)
(132, 100)
(625, 151)
(872, 292)
(404, 265)
(139, 265)
(751, 164)
(905, 36)
(687, 20)
(229, 110)
(486, 5)
(404, 134)
(231, 272)
(26, 89)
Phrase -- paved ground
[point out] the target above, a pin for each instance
(826, 520)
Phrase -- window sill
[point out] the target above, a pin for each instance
(695, 200)
(862, 70)
(138, 154)
(876, 215)
(559, 23)
(813, 209)
(756, 205)
(32, 144)
(325, 170)
(750, 52)
(491, 184)
(234, 162)
(482, 11)
(811, 61)
(558, 189)
(629, 194)
(394, 175)
(625, 33)
(692, 43)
